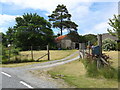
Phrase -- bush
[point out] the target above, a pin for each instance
(109, 44)
(15, 57)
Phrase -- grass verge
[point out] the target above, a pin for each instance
(83, 75)
(74, 73)
(21, 64)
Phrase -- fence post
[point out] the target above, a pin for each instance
(9, 53)
(48, 52)
(83, 49)
(89, 47)
(100, 45)
(32, 52)
(79, 48)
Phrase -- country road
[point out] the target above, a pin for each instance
(20, 77)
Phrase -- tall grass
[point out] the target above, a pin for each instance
(106, 71)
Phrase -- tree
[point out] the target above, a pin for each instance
(31, 30)
(115, 24)
(3, 39)
(91, 37)
(75, 37)
(61, 19)
(10, 35)
(109, 44)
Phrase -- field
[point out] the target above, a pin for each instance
(54, 55)
(74, 73)
(114, 57)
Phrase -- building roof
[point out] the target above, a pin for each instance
(60, 37)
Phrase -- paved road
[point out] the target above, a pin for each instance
(20, 77)
(13, 82)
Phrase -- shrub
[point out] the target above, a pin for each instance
(109, 44)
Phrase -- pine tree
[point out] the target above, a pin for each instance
(115, 23)
(62, 19)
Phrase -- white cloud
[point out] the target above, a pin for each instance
(98, 28)
(6, 21)
(101, 27)
(49, 5)
(80, 10)
(3, 29)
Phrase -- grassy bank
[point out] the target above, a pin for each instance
(75, 74)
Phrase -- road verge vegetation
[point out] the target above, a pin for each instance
(83, 74)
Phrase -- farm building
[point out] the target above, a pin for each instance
(65, 42)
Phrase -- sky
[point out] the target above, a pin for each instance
(91, 16)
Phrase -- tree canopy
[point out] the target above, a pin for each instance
(75, 37)
(115, 24)
(30, 29)
(62, 19)
(91, 37)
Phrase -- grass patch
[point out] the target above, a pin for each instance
(23, 60)
(54, 54)
(105, 72)
(114, 57)
(18, 64)
(91, 68)
(21, 64)
(74, 73)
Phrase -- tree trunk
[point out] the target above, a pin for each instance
(61, 24)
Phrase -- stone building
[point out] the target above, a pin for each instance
(65, 42)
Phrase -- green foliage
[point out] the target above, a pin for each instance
(109, 73)
(75, 37)
(6, 51)
(106, 72)
(3, 39)
(115, 24)
(109, 44)
(119, 74)
(91, 37)
(61, 19)
(30, 30)
(118, 46)
(91, 68)
(16, 61)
